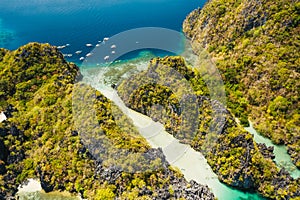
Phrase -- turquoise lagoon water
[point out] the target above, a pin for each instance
(47, 196)
(282, 158)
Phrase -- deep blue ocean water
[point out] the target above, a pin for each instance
(80, 22)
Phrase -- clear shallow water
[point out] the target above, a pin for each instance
(46, 196)
(282, 158)
(32, 190)
(191, 163)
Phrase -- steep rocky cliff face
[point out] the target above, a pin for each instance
(40, 139)
(255, 45)
(35, 81)
(230, 151)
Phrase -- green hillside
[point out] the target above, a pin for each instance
(41, 140)
(256, 46)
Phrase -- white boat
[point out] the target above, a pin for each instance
(61, 47)
(81, 58)
(89, 54)
(67, 45)
(78, 52)
(113, 46)
(97, 45)
(106, 58)
(113, 52)
(68, 55)
(105, 39)
(89, 45)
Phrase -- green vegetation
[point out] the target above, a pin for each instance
(255, 45)
(46, 138)
(158, 91)
(115, 74)
(229, 150)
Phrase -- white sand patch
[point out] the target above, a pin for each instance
(2, 117)
(33, 189)
(32, 186)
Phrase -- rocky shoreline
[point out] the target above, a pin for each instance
(180, 187)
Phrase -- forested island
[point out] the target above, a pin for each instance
(255, 46)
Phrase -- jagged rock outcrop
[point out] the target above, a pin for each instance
(177, 188)
(267, 152)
